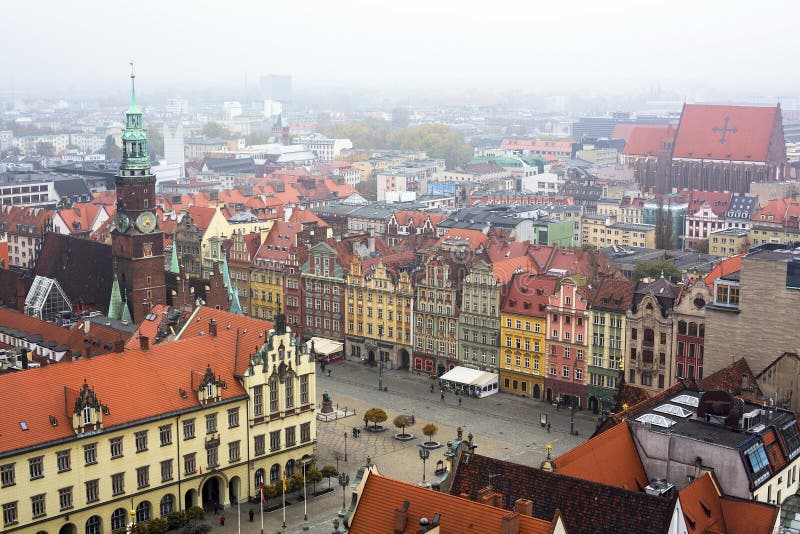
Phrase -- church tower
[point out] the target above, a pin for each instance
(136, 241)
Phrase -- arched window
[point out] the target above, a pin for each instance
(259, 478)
(93, 525)
(118, 519)
(693, 329)
(682, 328)
(274, 473)
(143, 512)
(702, 330)
(289, 468)
(167, 505)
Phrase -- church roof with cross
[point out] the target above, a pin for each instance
(737, 133)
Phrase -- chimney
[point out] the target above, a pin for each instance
(87, 324)
(144, 343)
(524, 507)
(510, 524)
(212, 328)
(119, 345)
(401, 518)
(485, 495)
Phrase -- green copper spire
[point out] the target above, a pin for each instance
(174, 268)
(115, 303)
(236, 307)
(126, 312)
(233, 294)
(135, 157)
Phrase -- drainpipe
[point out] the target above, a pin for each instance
(178, 461)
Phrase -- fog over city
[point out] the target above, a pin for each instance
(691, 50)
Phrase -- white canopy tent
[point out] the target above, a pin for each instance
(473, 382)
(327, 349)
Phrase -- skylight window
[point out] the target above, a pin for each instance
(23, 425)
(657, 420)
(671, 409)
(687, 400)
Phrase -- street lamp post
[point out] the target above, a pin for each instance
(345, 446)
(380, 373)
(344, 480)
(424, 454)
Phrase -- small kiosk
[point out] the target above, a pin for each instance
(472, 382)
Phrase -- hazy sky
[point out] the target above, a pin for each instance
(731, 46)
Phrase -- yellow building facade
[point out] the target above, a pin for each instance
(139, 435)
(266, 289)
(378, 314)
(602, 231)
(523, 332)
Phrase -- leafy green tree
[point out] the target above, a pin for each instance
(437, 140)
(329, 472)
(369, 133)
(111, 150)
(402, 421)
(654, 269)
(313, 476)
(158, 525)
(216, 130)
(195, 512)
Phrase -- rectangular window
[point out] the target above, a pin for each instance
(290, 436)
(289, 392)
(90, 454)
(188, 429)
(258, 401)
(258, 444)
(38, 506)
(166, 470)
(92, 490)
(565, 371)
(63, 461)
(165, 434)
(211, 423)
(10, 514)
(143, 476)
(141, 441)
(7, 475)
(189, 463)
(212, 457)
(65, 498)
(233, 417)
(117, 484)
(273, 397)
(234, 453)
(305, 432)
(36, 466)
(303, 390)
(275, 440)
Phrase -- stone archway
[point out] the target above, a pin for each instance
(68, 528)
(190, 499)
(234, 489)
(212, 492)
(594, 405)
(537, 391)
(549, 394)
(371, 357)
(405, 359)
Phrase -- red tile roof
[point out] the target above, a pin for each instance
(623, 130)
(528, 294)
(749, 517)
(249, 333)
(419, 218)
(730, 379)
(303, 216)
(504, 270)
(649, 140)
(502, 249)
(475, 238)
(723, 268)
(163, 371)
(80, 217)
(779, 211)
(717, 201)
(282, 236)
(609, 458)
(381, 496)
(748, 136)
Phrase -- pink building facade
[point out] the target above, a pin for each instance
(567, 343)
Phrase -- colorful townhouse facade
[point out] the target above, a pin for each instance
(567, 328)
(523, 335)
(436, 318)
(323, 287)
(479, 320)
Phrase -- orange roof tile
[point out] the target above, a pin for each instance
(282, 236)
(723, 268)
(250, 333)
(148, 328)
(381, 496)
(609, 458)
(749, 517)
(306, 216)
(80, 217)
(475, 238)
(649, 140)
(163, 370)
(505, 269)
(747, 138)
(701, 505)
(528, 293)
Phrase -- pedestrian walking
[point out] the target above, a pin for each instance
(442, 396)
(222, 520)
(459, 401)
(431, 388)
(548, 428)
(251, 513)
(329, 372)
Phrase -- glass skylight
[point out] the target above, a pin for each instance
(671, 409)
(688, 400)
(658, 420)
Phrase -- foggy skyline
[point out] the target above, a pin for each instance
(730, 48)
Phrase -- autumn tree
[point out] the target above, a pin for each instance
(375, 416)
(216, 130)
(430, 430)
(437, 140)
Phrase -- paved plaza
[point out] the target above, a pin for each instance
(503, 426)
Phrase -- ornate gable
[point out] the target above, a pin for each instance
(210, 388)
(88, 412)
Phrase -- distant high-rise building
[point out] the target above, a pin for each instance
(173, 144)
(231, 109)
(276, 87)
(178, 106)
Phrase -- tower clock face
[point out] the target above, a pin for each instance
(146, 222)
(122, 222)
